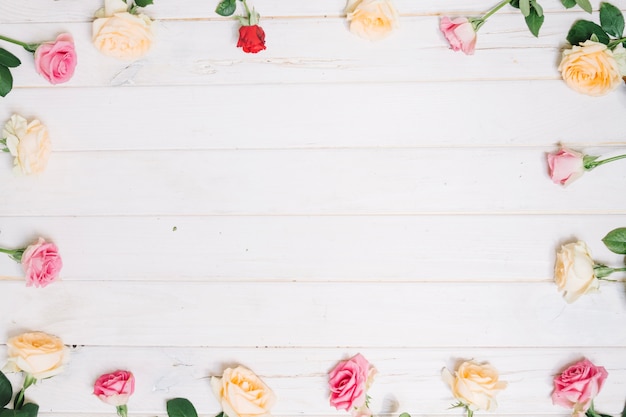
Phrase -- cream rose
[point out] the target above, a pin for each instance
(120, 34)
(590, 69)
(242, 393)
(573, 271)
(371, 19)
(28, 142)
(475, 385)
(38, 354)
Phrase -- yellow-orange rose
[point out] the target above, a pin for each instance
(475, 385)
(371, 19)
(590, 69)
(120, 34)
(36, 353)
(242, 393)
(573, 271)
(28, 142)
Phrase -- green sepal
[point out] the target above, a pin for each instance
(226, 7)
(534, 21)
(615, 240)
(602, 271)
(6, 81)
(143, 3)
(588, 160)
(181, 407)
(568, 3)
(7, 59)
(6, 390)
(582, 30)
(611, 20)
(585, 5)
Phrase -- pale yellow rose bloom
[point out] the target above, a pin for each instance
(36, 353)
(29, 143)
(590, 69)
(475, 385)
(371, 19)
(120, 34)
(573, 271)
(242, 394)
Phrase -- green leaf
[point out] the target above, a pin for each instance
(8, 59)
(29, 410)
(524, 6)
(585, 5)
(534, 21)
(6, 390)
(624, 411)
(568, 3)
(6, 81)
(143, 3)
(615, 240)
(611, 20)
(226, 7)
(181, 407)
(582, 30)
(405, 415)
(537, 7)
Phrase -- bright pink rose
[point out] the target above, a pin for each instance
(565, 166)
(56, 61)
(348, 383)
(115, 388)
(459, 33)
(578, 385)
(42, 263)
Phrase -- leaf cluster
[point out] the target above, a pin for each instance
(6, 392)
(135, 4)
(611, 25)
(7, 60)
(533, 12)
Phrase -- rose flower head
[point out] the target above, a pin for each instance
(349, 381)
(38, 354)
(574, 271)
(578, 385)
(475, 385)
(459, 33)
(56, 60)
(242, 394)
(28, 142)
(590, 68)
(565, 166)
(371, 19)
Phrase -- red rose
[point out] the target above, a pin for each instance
(251, 38)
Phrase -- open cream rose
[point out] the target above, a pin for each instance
(29, 143)
(573, 271)
(242, 394)
(475, 385)
(371, 19)
(590, 69)
(120, 34)
(37, 353)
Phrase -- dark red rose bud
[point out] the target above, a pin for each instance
(251, 39)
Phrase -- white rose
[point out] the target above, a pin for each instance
(573, 271)
(28, 142)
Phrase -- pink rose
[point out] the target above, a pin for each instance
(115, 388)
(42, 263)
(348, 383)
(459, 33)
(56, 61)
(578, 385)
(565, 166)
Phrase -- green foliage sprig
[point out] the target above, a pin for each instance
(7, 60)
(610, 31)
(19, 408)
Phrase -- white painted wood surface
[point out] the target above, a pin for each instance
(324, 197)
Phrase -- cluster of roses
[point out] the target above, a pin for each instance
(474, 385)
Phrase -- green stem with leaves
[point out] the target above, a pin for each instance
(478, 22)
(30, 47)
(595, 163)
(19, 398)
(615, 42)
(15, 254)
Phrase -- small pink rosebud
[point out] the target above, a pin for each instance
(459, 33)
(115, 388)
(565, 166)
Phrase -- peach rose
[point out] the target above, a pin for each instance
(459, 33)
(120, 34)
(371, 19)
(590, 69)
(475, 385)
(565, 166)
(573, 271)
(28, 143)
(242, 393)
(578, 385)
(37, 353)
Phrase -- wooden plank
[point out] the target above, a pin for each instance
(322, 116)
(407, 379)
(307, 182)
(318, 249)
(244, 314)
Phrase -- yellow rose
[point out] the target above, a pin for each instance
(242, 393)
(38, 354)
(590, 69)
(120, 34)
(475, 385)
(573, 271)
(28, 142)
(371, 19)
